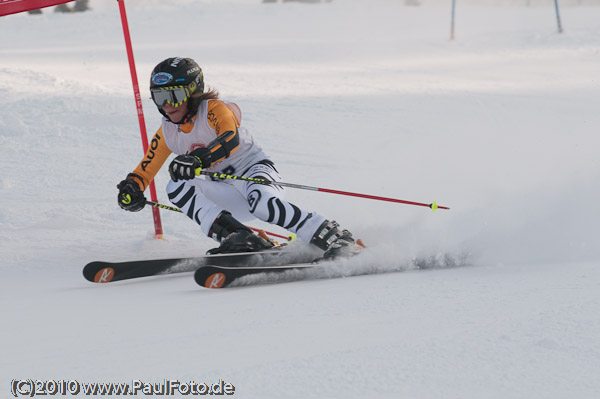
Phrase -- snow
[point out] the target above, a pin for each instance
(501, 125)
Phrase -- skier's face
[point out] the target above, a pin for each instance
(175, 113)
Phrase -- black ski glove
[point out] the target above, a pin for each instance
(131, 198)
(183, 167)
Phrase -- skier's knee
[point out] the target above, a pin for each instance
(254, 200)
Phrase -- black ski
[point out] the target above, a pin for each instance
(224, 275)
(104, 272)
(214, 276)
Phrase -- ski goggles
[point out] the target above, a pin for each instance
(172, 95)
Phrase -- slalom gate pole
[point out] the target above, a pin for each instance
(452, 20)
(434, 206)
(158, 231)
(154, 204)
(560, 29)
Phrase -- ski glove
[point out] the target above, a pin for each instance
(183, 167)
(204, 155)
(131, 198)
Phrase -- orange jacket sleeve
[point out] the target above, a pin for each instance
(153, 160)
(225, 123)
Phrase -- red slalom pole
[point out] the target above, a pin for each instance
(158, 231)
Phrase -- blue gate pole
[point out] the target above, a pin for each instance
(452, 20)
(560, 29)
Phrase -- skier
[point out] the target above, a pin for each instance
(206, 133)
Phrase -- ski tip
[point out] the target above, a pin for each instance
(213, 280)
(104, 275)
(96, 272)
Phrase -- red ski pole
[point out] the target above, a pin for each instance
(434, 206)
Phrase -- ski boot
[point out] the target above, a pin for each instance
(335, 242)
(235, 237)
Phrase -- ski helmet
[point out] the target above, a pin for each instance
(174, 81)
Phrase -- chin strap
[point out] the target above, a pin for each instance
(187, 118)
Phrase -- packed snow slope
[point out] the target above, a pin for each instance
(501, 125)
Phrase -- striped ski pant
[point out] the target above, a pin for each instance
(202, 200)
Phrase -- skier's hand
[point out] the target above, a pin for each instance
(205, 157)
(131, 198)
(183, 167)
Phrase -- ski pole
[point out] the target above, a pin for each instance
(217, 175)
(291, 237)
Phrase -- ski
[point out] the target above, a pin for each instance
(227, 275)
(213, 276)
(224, 276)
(105, 272)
